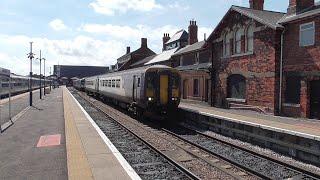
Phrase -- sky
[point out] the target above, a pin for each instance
(97, 32)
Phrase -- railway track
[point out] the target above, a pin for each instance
(148, 162)
(202, 164)
(201, 154)
(262, 166)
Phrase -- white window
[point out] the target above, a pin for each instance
(239, 34)
(307, 34)
(250, 38)
(227, 44)
(196, 56)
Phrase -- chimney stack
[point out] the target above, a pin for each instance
(296, 6)
(257, 4)
(193, 32)
(144, 43)
(128, 49)
(165, 39)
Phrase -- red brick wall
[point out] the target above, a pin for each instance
(259, 68)
(301, 61)
(298, 58)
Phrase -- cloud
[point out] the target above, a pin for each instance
(81, 50)
(110, 7)
(57, 25)
(134, 33)
(179, 6)
(128, 32)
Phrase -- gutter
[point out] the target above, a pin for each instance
(281, 72)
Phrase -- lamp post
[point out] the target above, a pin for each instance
(40, 59)
(50, 79)
(30, 56)
(44, 76)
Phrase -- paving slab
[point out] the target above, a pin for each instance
(19, 154)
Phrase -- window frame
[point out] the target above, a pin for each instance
(300, 33)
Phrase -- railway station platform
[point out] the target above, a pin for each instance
(299, 138)
(56, 139)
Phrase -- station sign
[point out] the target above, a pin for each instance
(4, 72)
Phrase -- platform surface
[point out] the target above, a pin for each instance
(88, 155)
(19, 154)
(300, 127)
(55, 139)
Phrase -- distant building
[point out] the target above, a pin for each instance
(125, 61)
(68, 72)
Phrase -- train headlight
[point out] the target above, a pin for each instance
(150, 99)
(174, 99)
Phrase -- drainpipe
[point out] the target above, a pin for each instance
(281, 73)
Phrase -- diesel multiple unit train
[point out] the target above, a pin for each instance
(154, 89)
(18, 84)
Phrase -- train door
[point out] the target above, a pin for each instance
(315, 99)
(164, 85)
(134, 88)
(97, 85)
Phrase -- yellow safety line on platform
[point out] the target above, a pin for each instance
(78, 165)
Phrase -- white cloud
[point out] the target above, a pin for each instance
(81, 50)
(57, 25)
(177, 5)
(133, 34)
(128, 32)
(110, 7)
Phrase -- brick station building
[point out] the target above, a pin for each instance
(268, 61)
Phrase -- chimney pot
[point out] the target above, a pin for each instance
(257, 4)
(144, 42)
(193, 33)
(128, 49)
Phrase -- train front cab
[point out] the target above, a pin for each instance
(162, 90)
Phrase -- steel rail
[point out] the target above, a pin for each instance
(174, 163)
(290, 166)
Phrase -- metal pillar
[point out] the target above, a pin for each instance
(40, 76)
(30, 56)
(44, 76)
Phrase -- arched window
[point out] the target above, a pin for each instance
(238, 40)
(250, 38)
(228, 43)
(224, 44)
(236, 86)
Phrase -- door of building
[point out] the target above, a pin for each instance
(315, 99)
(185, 89)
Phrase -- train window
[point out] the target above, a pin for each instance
(109, 83)
(139, 83)
(150, 82)
(118, 83)
(113, 83)
(175, 82)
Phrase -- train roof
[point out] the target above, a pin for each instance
(143, 69)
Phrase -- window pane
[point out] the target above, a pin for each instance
(307, 37)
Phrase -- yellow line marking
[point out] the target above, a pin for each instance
(78, 165)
